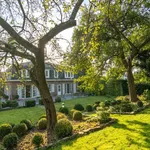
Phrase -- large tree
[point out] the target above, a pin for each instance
(113, 34)
(26, 28)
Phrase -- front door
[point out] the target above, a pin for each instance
(59, 89)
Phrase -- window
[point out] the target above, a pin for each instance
(34, 91)
(50, 87)
(47, 73)
(55, 74)
(69, 75)
(68, 88)
(25, 73)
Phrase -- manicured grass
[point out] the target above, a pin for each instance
(132, 132)
(33, 113)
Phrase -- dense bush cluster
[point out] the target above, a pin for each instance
(63, 128)
(77, 115)
(30, 103)
(10, 103)
(5, 129)
(78, 107)
(20, 129)
(64, 110)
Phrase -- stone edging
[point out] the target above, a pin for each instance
(133, 112)
(80, 134)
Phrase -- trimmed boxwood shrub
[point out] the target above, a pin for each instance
(60, 116)
(30, 103)
(37, 140)
(20, 129)
(78, 107)
(28, 123)
(95, 106)
(13, 103)
(4, 105)
(43, 116)
(42, 124)
(89, 108)
(140, 103)
(77, 115)
(5, 129)
(63, 128)
(10, 141)
(64, 110)
(58, 99)
(72, 111)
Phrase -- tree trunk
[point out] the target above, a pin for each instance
(46, 98)
(131, 84)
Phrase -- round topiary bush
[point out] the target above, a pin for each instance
(60, 116)
(72, 111)
(42, 124)
(140, 103)
(63, 128)
(64, 110)
(89, 108)
(20, 129)
(37, 140)
(103, 116)
(43, 116)
(28, 123)
(58, 99)
(78, 107)
(77, 115)
(10, 141)
(5, 129)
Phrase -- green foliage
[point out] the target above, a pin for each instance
(72, 112)
(5, 129)
(78, 107)
(126, 106)
(146, 94)
(28, 123)
(95, 106)
(89, 108)
(64, 110)
(42, 123)
(141, 87)
(20, 129)
(60, 116)
(2, 147)
(139, 103)
(12, 103)
(10, 141)
(37, 140)
(43, 116)
(15, 97)
(77, 115)
(103, 116)
(63, 128)
(107, 103)
(58, 99)
(30, 103)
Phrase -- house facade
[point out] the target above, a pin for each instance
(59, 83)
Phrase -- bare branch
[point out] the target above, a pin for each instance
(17, 37)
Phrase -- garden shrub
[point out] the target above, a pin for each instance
(15, 97)
(42, 124)
(63, 128)
(107, 103)
(141, 97)
(97, 102)
(77, 115)
(10, 141)
(5, 129)
(95, 106)
(4, 105)
(146, 94)
(2, 147)
(30, 103)
(126, 106)
(12, 103)
(89, 108)
(103, 116)
(92, 119)
(118, 102)
(37, 140)
(43, 116)
(78, 107)
(20, 129)
(139, 103)
(113, 102)
(58, 99)
(72, 111)
(28, 123)
(141, 87)
(60, 116)
(64, 110)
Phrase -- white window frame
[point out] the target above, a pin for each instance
(27, 74)
(34, 91)
(69, 75)
(56, 74)
(47, 74)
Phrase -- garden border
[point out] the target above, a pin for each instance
(80, 134)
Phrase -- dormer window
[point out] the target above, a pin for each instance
(55, 74)
(69, 75)
(47, 73)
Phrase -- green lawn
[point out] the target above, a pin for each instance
(132, 132)
(33, 113)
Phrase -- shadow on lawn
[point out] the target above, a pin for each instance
(145, 132)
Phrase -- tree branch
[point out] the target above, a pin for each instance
(17, 37)
(62, 26)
